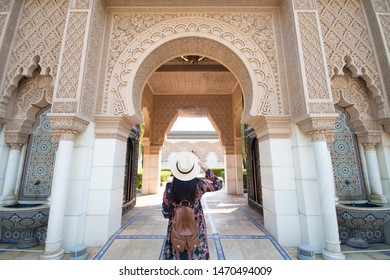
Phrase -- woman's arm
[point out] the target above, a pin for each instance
(216, 183)
(167, 206)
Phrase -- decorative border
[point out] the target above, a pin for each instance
(215, 237)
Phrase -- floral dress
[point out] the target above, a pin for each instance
(169, 209)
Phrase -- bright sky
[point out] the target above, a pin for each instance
(192, 124)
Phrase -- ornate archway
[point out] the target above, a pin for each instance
(256, 74)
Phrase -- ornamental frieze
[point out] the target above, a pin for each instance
(252, 34)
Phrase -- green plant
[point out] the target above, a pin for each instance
(164, 175)
(139, 178)
(218, 171)
(244, 179)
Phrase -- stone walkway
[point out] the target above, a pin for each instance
(234, 230)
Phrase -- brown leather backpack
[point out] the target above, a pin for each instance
(185, 232)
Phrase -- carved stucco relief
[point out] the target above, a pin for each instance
(349, 92)
(295, 86)
(166, 109)
(80, 4)
(252, 35)
(385, 22)
(93, 60)
(317, 89)
(5, 5)
(312, 54)
(381, 6)
(196, 3)
(34, 93)
(69, 75)
(5, 8)
(39, 34)
(305, 5)
(3, 18)
(201, 148)
(347, 42)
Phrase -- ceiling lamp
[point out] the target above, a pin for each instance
(192, 59)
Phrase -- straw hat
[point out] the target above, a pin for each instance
(185, 166)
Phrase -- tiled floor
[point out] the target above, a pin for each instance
(235, 232)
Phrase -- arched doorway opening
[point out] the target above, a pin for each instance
(130, 97)
(254, 188)
(131, 168)
(207, 89)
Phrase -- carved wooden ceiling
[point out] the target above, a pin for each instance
(177, 77)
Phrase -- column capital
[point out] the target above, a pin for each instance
(2, 122)
(114, 127)
(16, 146)
(15, 138)
(369, 139)
(320, 128)
(66, 126)
(386, 124)
(230, 150)
(267, 127)
(150, 148)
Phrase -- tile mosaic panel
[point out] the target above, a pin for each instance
(39, 163)
(346, 160)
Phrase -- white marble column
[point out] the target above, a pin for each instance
(233, 169)
(20, 171)
(151, 173)
(151, 168)
(374, 177)
(8, 195)
(326, 190)
(4, 152)
(53, 246)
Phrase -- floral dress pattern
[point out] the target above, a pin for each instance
(169, 209)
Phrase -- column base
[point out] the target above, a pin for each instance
(57, 255)
(7, 199)
(378, 198)
(332, 256)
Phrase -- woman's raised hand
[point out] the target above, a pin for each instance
(203, 166)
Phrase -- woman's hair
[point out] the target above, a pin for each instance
(184, 190)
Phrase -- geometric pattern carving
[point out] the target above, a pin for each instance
(3, 18)
(346, 34)
(39, 33)
(385, 22)
(304, 5)
(81, 4)
(31, 92)
(346, 160)
(95, 29)
(166, 109)
(202, 149)
(39, 162)
(5, 5)
(381, 6)
(251, 35)
(195, 3)
(312, 54)
(72, 56)
(354, 92)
